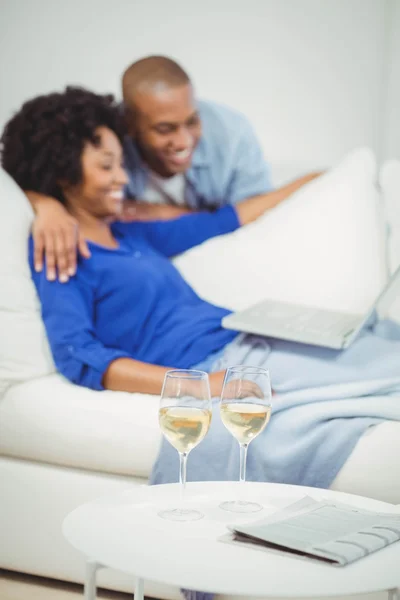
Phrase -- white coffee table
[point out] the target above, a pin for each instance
(124, 532)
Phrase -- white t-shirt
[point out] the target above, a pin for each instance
(165, 190)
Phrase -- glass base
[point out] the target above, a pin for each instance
(181, 514)
(239, 506)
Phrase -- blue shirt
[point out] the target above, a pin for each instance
(132, 302)
(227, 165)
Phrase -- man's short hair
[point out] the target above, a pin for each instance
(151, 74)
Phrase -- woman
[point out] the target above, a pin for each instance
(128, 315)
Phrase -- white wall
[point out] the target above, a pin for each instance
(307, 72)
(391, 140)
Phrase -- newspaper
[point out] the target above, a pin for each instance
(329, 531)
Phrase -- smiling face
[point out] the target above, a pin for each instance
(101, 191)
(166, 126)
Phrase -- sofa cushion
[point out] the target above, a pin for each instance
(24, 351)
(53, 421)
(322, 247)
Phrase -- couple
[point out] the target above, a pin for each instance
(180, 155)
(127, 315)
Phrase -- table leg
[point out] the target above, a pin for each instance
(90, 580)
(139, 589)
(394, 594)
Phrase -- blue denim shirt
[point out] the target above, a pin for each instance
(227, 166)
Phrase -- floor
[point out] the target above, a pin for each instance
(15, 586)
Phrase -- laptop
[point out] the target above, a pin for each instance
(308, 325)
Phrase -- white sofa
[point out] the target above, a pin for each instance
(62, 445)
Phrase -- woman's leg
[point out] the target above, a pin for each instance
(374, 355)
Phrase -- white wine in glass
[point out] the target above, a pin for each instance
(245, 412)
(184, 426)
(185, 417)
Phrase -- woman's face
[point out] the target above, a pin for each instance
(103, 177)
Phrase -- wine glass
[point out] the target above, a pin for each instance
(245, 411)
(184, 417)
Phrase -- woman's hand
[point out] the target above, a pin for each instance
(216, 381)
(239, 389)
(56, 238)
(246, 390)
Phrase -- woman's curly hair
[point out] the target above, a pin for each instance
(43, 142)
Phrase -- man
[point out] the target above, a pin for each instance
(180, 155)
(182, 152)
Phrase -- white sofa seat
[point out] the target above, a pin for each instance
(53, 421)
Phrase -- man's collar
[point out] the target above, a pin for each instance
(200, 158)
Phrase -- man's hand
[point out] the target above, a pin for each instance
(56, 237)
(144, 211)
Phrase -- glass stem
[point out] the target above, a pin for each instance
(243, 459)
(182, 474)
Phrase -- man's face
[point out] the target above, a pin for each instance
(166, 126)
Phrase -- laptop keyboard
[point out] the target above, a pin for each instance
(298, 318)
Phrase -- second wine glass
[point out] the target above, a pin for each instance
(245, 411)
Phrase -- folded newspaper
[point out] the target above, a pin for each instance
(329, 531)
